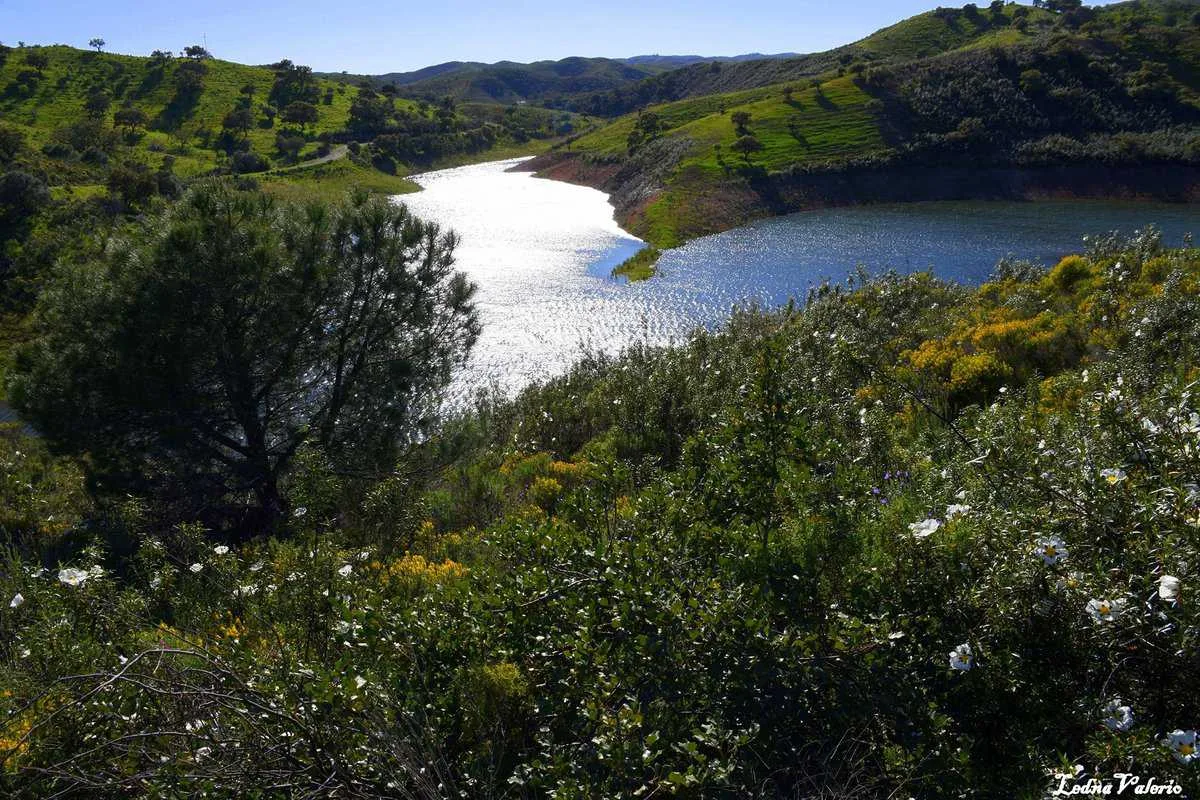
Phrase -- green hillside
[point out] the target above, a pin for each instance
(177, 123)
(999, 87)
(927, 34)
(80, 113)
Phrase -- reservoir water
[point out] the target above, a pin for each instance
(542, 252)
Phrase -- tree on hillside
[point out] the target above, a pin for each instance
(196, 357)
(21, 196)
(98, 102)
(12, 141)
(370, 114)
(130, 118)
(189, 78)
(289, 146)
(747, 145)
(196, 52)
(293, 82)
(97, 43)
(132, 183)
(239, 121)
(300, 113)
(741, 122)
(37, 59)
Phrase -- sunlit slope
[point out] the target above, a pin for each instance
(57, 97)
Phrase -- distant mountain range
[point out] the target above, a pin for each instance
(540, 81)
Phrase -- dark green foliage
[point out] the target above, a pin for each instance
(37, 59)
(98, 102)
(245, 161)
(21, 196)
(299, 113)
(647, 129)
(335, 326)
(12, 142)
(294, 83)
(988, 103)
(747, 145)
(131, 118)
(289, 145)
(683, 571)
(133, 183)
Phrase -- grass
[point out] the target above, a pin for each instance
(796, 122)
(932, 33)
(332, 180)
(639, 266)
(810, 124)
(58, 99)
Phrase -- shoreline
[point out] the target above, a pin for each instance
(705, 208)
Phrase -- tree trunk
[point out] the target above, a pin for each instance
(270, 503)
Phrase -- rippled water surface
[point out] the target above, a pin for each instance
(541, 252)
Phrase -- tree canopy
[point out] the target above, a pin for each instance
(200, 354)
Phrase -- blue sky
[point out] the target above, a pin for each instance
(375, 36)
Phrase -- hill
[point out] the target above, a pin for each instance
(1006, 101)
(557, 84)
(80, 112)
(184, 102)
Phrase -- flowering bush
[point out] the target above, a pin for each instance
(784, 559)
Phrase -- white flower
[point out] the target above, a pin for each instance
(1113, 475)
(300, 512)
(1075, 774)
(345, 570)
(1073, 580)
(956, 510)
(1104, 610)
(1052, 549)
(1168, 588)
(73, 577)
(17, 600)
(1118, 717)
(961, 658)
(220, 549)
(256, 566)
(359, 681)
(925, 528)
(345, 628)
(196, 567)
(1183, 745)
(1192, 426)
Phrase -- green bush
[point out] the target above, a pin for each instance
(772, 561)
